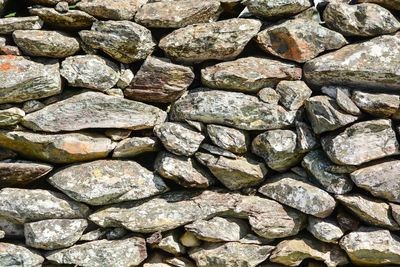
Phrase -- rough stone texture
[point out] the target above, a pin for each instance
(272, 9)
(32, 105)
(326, 230)
(11, 228)
(228, 138)
(215, 40)
(117, 134)
(345, 103)
(134, 146)
(269, 95)
(306, 139)
(54, 234)
(9, 25)
(94, 110)
(249, 74)
(126, 76)
(16, 255)
(293, 93)
(124, 41)
(378, 105)
(22, 79)
(170, 243)
(113, 10)
(11, 116)
(17, 173)
(362, 142)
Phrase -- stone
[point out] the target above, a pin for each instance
(231, 139)
(395, 212)
(32, 105)
(182, 170)
(22, 79)
(90, 71)
(269, 95)
(370, 64)
(233, 109)
(115, 92)
(189, 240)
(179, 14)
(117, 134)
(179, 262)
(112, 10)
(331, 90)
(159, 80)
(376, 104)
(94, 110)
(234, 173)
(215, 40)
(124, 41)
(317, 164)
(2, 234)
(103, 182)
(345, 103)
(372, 246)
(97, 234)
(362, 142)
(16, 255)
(62, 7)
(293, 94)
(391, 4)
(11, 116)
(18, 173)
(11, 228)
(9, 25)
(268, 9)
(218, 151)
(54, 234)
(299, 40)
(326, 230)
(126, 76)
(296, 192)
(249, 74)
(134, 146)
(325, 115)
(170, 243)
(340, 169)
(364, 20)
(10, 50)
(103, 253)
(46, 43)
(26, 205)
(306, 139)
(57, 148)
(347, 221)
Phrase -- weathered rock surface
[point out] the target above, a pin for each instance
(113, 10)
(21, 172)
(134, 146)
(170, 243)
(231, 139)
(215, 40)
(326, 230)
(378, 105)
(9, 25)
(16, 255)
(94, 110)
(268, 95)
(11, 116)
(306, 139)
(345, 103)
(293, 94)
(272, 9)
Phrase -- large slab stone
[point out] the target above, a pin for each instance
(376, 104)
(17, 173)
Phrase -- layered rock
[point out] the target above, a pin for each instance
(9, 25)
(22, 172)
(114, 9)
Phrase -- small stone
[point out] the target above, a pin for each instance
(189, 240)
(117, 134)
(228, 138)
(97, 234)
(62, 7)
(32, 105)
(326, 230)
(9, 25)
(170, 243)
(271, 9)
(3, 41)
(306, 139)
(299, 171)
(179, 262)
(2, 234)
(18, 173)
(341, 169)
(111, 9)
(331, 90)
(395, 212)
(199, 126)
(10, 50)
(293, 93)
(269, 95)
(134, 146)
(345, 103)
(16, 255)
(378, 105)
(11, 116)
(218, 151)
(115, 92)
(126, 76)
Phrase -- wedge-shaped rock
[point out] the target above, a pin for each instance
(25, 205)
(55, 233)
(16, 255)
(299, 40)
(215, 40)
(231, 139)
(9, 25)
(149, 86)
(11, 116)
(21, 172)
(378, 105)
(231, 109)
(362, 142)
(326, 230)
(293, 94)
(94, 110)
(296, 192)
(179, 14)
(71, 20)
(111, 9)
(170, 243)
(124, 41)
(134, 146)
(272, 9)
(344, 102)
(103, 253)
(371, 64)
(57, 148)
(22, 79)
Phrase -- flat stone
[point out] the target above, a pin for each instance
(231, 139)
(32, 105)
(22, 79)
(392, 4)
(360, 20)
(269, 95)
(326, 230)
(362, 142)
(215, 150)
(11, 116)
(54, 234)
(169, 86)
(272, 9)
(296, 192)
(293, 93)
(26, 205)
(62, 6)
(134, 146)
(97, 234)
(9, 25)
(94, 110)
(376, 104)
(57, 148)
(179, 14)
(16, 255)
(113, 10)
(299, 40)
(124, 41)
(90, 71)
(345, 103)
(117, 134)
(103, 253)
(233, 109)
(17, 173)
(170, 243)
(221, 40)
(249, 74)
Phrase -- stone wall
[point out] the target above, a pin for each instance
(199, 133)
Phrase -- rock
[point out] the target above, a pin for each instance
(306, 139)
(22, 79)
(54, 234)
(293, 251)
(340, 169)
(32, 105)
(16, 255)
(378, 105)
(182, 170)
(362, 142)
(189, 240)
(10, 50)
(230, 254)
(293, 94)
(46, 43)
(126, 77)
(11, 229)
(57, 148)
(325, 115)
(9, 25)
(234, 173)
(97, 234)
(94, 110)
(116, 233)
(345, 103)
(149, 86)
(370, 64)
(395, 212)
(326, 230)
(90, 71)
(294, 191)
(21, 172)
(52, 2)
(331, 90)
(268, 9)
(269, 95)
(372, 246)
(113, 10)
(360, 20)
(219, 229)
(299, 40)
(249, 74)
(179, 262)
(218, 151)
(215, 40)
(25, 205)
(317, 164)
(62, 7)
(134, 146)
(124, 41)
(103, 253)
(179, 14)
(170, 243)
(11, 116)
(2, 234)
(228, 138)
(391, 4)
(117, 134)
(231, 109)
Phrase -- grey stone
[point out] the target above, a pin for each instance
(228, 138)
(170, 243)
(32, 105)
(345, 103)
(126, 77)
(269, 95)
(331, 90)
(97, 234)
(112, 10)
(376, 104)
(326, 230)
(134, 146)
(218, 151)
(11, 116)
(116, 233)
(62, 7)
(306, 139)
(16, 255)
(272, 9)
(9, 25)
(11, 228)
(18, 173)
(293, 93)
